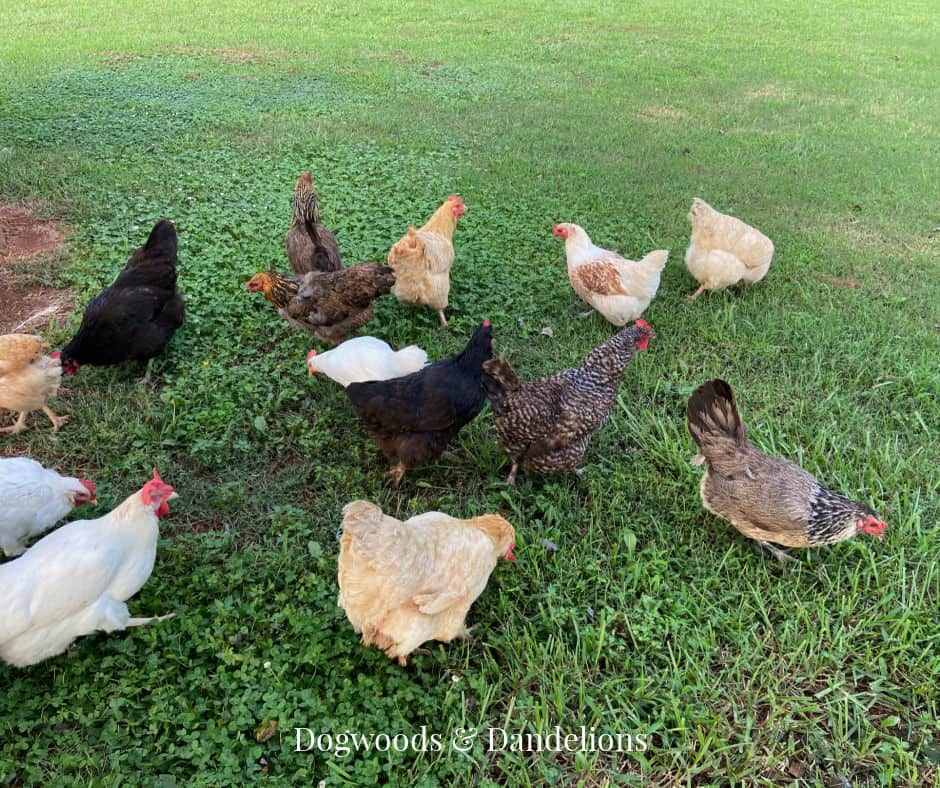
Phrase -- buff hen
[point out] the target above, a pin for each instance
(404, 583)
(724, 250)
(28, 379)
(423, 258)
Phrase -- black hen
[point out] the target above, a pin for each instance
(134, 317)
(414, 417)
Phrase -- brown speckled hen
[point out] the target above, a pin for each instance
(545, 425)
(768, 499)
(310, 244)
(329, 305)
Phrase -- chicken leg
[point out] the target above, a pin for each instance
(511, 479)
(696, 294)
(440, 314)
(782, 556)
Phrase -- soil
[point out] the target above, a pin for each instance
(24, 241)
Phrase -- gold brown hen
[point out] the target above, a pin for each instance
(329, 305)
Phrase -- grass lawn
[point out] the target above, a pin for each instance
(817, 123)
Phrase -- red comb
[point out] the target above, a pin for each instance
(89, 485)
(56, 354)
(311, 354)
(643, 324)
(486, 323)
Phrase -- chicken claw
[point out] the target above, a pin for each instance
(57, 421)
(766, 547)
(395, 474)
(18, 427)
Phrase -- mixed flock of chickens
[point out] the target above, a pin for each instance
(400, 583)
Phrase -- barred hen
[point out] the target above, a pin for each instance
(413, 418)
(329, 305)
(310, 244)
(545, 425)
(768, 499)
(135, 317)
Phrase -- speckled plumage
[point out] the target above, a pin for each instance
(546, 425)
(309, 244)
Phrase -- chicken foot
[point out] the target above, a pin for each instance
(395, 474)
(57, 421)
(696, 294)
(140, 622)
(19, 426)
(782, 556)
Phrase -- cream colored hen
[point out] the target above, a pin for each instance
(28, 379)
(403, 583)
(422, 259)
(724, 250)
(618, 288)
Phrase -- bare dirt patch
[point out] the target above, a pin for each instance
(25, 241)
(836, 281)
(662, 114)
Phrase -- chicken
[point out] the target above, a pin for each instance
(365, 358)
(310, 244)
(766, 498)
(422, 259)
(413, 418)
(724, 251)
(330, 306)
(28, 385)
(404, 583)
(545, 425)
(33, 499)
(135, 317)
(619, 289)
(76, 579)
(19, 350)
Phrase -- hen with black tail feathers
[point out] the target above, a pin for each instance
(134, 317)
(413, 418)
(766, 498)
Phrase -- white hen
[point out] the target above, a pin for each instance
(365, 358)
(76, 580)
(33, 499)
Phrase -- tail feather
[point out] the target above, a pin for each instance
(714, 422)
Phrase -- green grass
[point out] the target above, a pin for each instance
(817, 124)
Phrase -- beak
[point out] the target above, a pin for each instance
(172, 496)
